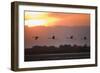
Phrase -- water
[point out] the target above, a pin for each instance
(61, 56)
(62, 36)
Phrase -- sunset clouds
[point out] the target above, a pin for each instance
(56, 19)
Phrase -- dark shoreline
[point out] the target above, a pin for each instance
(38, 53)
(67, 56)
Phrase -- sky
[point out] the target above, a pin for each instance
(56, 19)
(61, 25)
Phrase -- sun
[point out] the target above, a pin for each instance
(33, 23)
(33, 19)
(40, 22)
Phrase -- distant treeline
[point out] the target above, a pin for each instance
(53, 49)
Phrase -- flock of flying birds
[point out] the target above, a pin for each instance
(53, 37)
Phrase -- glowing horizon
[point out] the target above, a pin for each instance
(47, 19)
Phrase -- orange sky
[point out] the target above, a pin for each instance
(56, 19)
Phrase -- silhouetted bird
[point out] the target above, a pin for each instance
(36, 37)
(71, 37)
(84, 38)
(53, 37)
